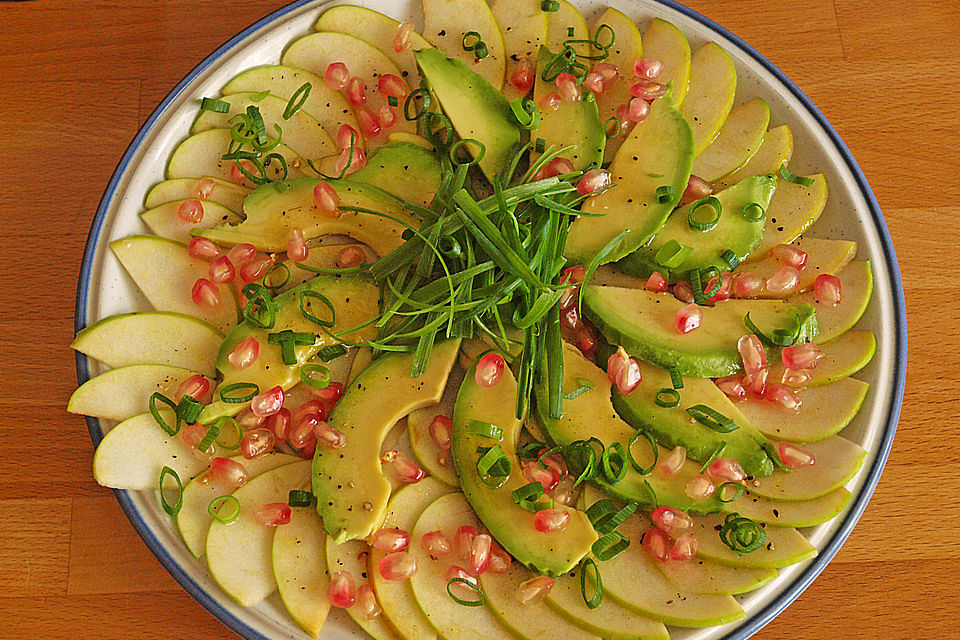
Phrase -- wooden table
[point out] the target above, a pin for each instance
(76, 80)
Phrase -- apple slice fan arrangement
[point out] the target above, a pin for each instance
(508, 330)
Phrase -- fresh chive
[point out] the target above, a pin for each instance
(296, 100)
(596, 599)
(712, 419)
(215, 105)
(585, 385)
(742, 535)
(644, 471)
(613, 462)
(540, 145)
(667, 398)
(597, 260)
(171, 509)
(793, 178)
(481, 598)
(609, 546)
(704, 223)
(527, 493)
(213, 432)
(671, 254)
(305, 308)
(315, 375)
(526, 113)
(258, 97)
(225, 424)
(713, 456)
(268, 280)
(614, 132)
(475, 156)
(605, 517)
(421, 94)
(737, 491)
(485, 429)
(332, 352)
(299, 498)
(155, 412)
(226, 393)
(224, 509)
(730, 258)
(665, 194)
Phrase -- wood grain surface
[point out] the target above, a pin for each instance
(78, 77)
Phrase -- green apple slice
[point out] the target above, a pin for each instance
(351, 556)
(193, 520)
(523, 26)
(611, 620)
(823, 256)
(837, 460)
(124, 392)
(702, 575)
(164, 221)
(224, 193)
(165, 273)
(792, 210)
(300, 569)
(533, 621)
(785, 546)
(239, 554)
(324, 103)
(560, 22)
(776, 151)
(713, 84)
(152, 337)
(856, 286)
(300, 131)
(378, 30)
(664, 42)
(737, 142)
(200, 155)
(429, 584)
(842, 357)
(133, 453)
(627, 48)
(445, 22)
(824, 411)
(805, 513)
(425, 450)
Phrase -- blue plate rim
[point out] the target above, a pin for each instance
(745, 628)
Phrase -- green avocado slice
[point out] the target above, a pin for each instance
(403, 169)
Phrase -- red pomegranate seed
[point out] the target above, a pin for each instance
(783, 396)
(674, 521)
(325, 199)
(555, 167)
(802, 356)
(330, 438)
(751, 353)
(647, 68)
(387, 116)
(608, 71)
(192, 435)
(570, 318)
(279, 424)
(458, 572)
(553, 461)
(356, 91)
(648, 90)
(479, 554)
(790, 255)
(593, 181)
(616, 360)
(195, 386)
(656, 543)
(587, 340)
(463, 540)
(313, 407)
(392, 85)
(190, 211)
(826, 290)
(350, 163)
(329, 395)
(796, 379)
(245, 353)
(685, 548)
(725, 470)
(755, 384)
(369, 124)
(205, 294)
(793, 457)
(683, 292)
(549, 520)
(594, 82)
(255, 269)
(222, 271)
(726, 287)
(227, 472)
(436, 544)
(297, 245)
(656, 283)
(522, 76)
(548, 477)
(351, 257)
(301, 433)
(204, 188)
(697, 188)
(550, 102)
(748, 285)
(687, 318)
(534, 589)
(273, 514)
(669, 465)
(247, 420)
(699, 488)
(309, 448)
(408, 471)
(391, 540)
(257, 442)
(628, 377)
(346, 135)
(342, 591)
(366, 602)
(441, 428)
(574, 274)
(489, 369)
(500, 560)
(569, 90)
(241, 254)
(267, 403)
(785, 280)
(203, 249)
(637, 110)
(732, 386)
(337, 76)
(401, 38)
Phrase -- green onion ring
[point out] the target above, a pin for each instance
(299, 498)
(653, 445)
(676, 379)
(239, 386)
(615, 132)
(793, 178)
(730, 258)
(484, 429)
(479, 602)
(296, 100)
(609, 546)
(742, 535)
(215, 104)
(171, 509)
(307, 372)
(424, 96)
(155, 412)
(613, 463)
(217, 505)
(305, 311)
(593, 601)
(665, 194)
(462, 144)
(526, 112)
(712, 419)
(227, 423)
(667, 398)
(550, 6)
(531, 491)
(276, 267)
(428, 120)
(704, 224)
(672, 254)
(475, 39)
(738, 491)
(213, 430)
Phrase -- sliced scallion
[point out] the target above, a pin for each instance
(712, 418)
(171, 509)
(224, 509)
(742, 535)
(609, 546)
(594, 600)
(703, 223)
(485, 429)
(481, 598)
(793, 178)
(299, 498)
(644, 471)
(215, 105)
(315, 375)
(246, 391)
(672, 254)
(155, 412)
(667, 398)
(665, 194)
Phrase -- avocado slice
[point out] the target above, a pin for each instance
(476, 109)
(657, 153)
(355, 300)
(733, 232)
(550, 553)
(369, 408)
(572, 123)
(642, 322)
(403, 169)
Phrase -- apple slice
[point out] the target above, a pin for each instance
(224, 193)
(713, 84)
(424, 449)
(133, 453)
(792, 210)
(837, 460)
(856, 285)
(737, 142)
(445, 22)
(396, 597)
(624, 53)
(239, 554)
(200, 155)
(193, 520)
(823, 256)
(351, 556)
(701, 575)
(610, 620)
(164, 221)
(300, 569)
(165, 273)
(784, 546)
(560, 22)
(664, 42)
(523, 26)
(776, 151)
(122, 393)
(842, 357)
(152, 337)
(805, 513)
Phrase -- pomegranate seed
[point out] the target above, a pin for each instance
(683, 292)
(355, 91)
(522, 76)
(748, 285)
(752, 353)
(555, 167)
(257, 442)
(637, 110)
(228, 472)
(279, 424)
(202, 249)
(237, 176)
(648, 90)
(460, 573)
(204, 188)
(391, 540)
(314, 408)
(755, 384)
(222, 271)
(463, 541)
(796, 379)
(594, 82)
(366, 601)
(674, 521)
(628, 377)
(614, 363)
(790, 255)
(195, 386)
(267, 403)
(699, 488)
(656, 283)
(190, 211)
(247, 420)
(725, 470)
(401, 39)
(205, 294)
(436, 544)
(593, 181)
(241, 254)
(567, 84)
(732, 386)
(273, 514)
(647, 68)
(802, 356)
(255, 269)
(549, 520)
(443, 457)
(685, 548)
(499, 561)
(345, 136)
(489, 369)
(398, 566)
(785, 280)
(726, 287)
(330, 438)
(697, 188)
(350, 163)
(245, 353)
(387, 116)
(587, 340)
(192, 436)
(608, 71)
(548, 477)
(570, 318)
(479, 554)
(342, 591)
(329, 395)
(441, 428)
(574, 274)
(553, 461)
(325, 199)
(337, 76)
(783, 396)
(351, 257)
(687, 318)
(669, 465)
(793, 457)
(391, 85)
(550, 102)
(534, 589)
(826, 289)
(297, 245)
(309, 448)
(408, 471)
(656, 543)
(369, 124)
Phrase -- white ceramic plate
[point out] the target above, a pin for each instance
(852, 213)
